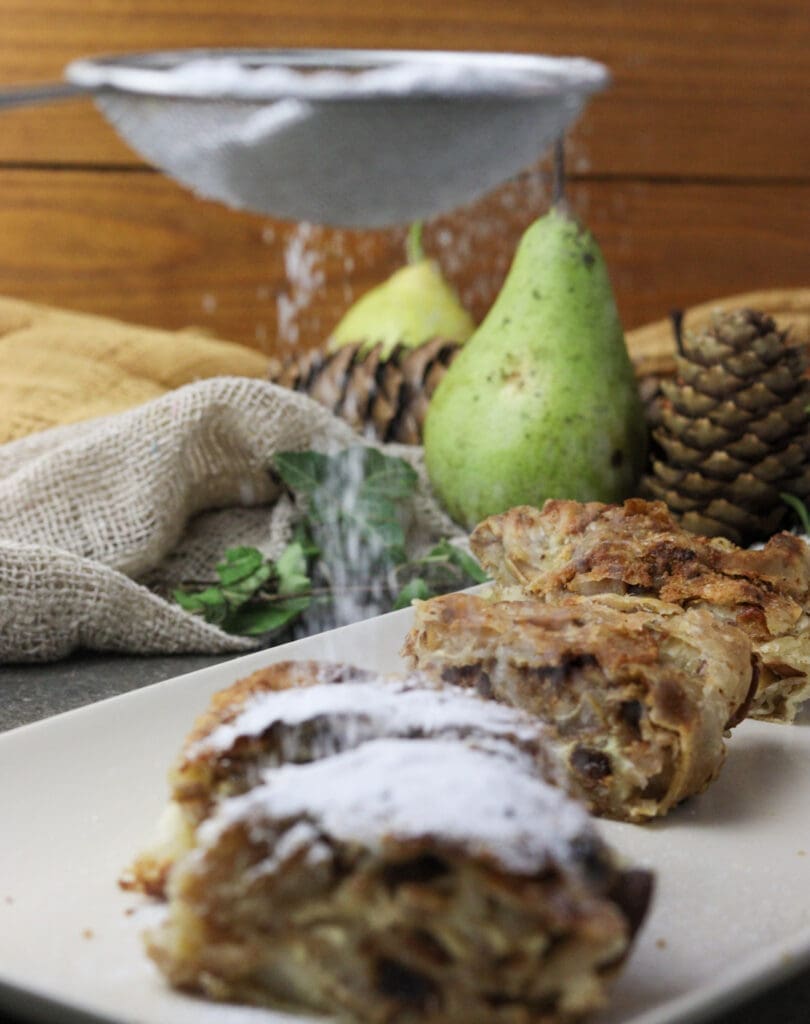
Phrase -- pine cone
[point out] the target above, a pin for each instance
(387, 398)
(731, 431)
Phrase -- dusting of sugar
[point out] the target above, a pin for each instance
(487, 804)
(479, 229)
(430, 74)
(301, 837)
(366, 710)
(286, 314)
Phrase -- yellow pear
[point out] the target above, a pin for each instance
(412, 306)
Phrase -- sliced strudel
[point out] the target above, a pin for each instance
(638, 548)
(402, 880)
(637, 693)
(300, 711)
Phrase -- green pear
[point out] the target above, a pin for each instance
(542, 401)
(412, 306)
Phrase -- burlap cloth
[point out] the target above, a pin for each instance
(100, 519)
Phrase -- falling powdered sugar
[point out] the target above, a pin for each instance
(305, 276)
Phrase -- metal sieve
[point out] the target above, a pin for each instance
(355, 138)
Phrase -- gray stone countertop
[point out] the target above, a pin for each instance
(32, 692)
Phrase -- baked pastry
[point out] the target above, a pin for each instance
(636, 693)
(638, 548)
(300, 711)
(390, 849)
(402, 880)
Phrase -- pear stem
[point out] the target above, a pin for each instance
(558, 174)
(414, 251)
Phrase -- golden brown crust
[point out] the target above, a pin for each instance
(638, 548)
(637, 693)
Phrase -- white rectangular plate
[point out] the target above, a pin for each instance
(80, 793)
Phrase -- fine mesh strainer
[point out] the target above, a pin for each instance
(363, 138)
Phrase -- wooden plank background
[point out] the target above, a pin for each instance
(693, 170)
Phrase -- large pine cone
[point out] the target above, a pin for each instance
(385, 398)
(731, 431)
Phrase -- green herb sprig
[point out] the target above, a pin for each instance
(348, 546)
(443, 569)
(254, 595)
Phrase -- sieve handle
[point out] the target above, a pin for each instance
(25, 95)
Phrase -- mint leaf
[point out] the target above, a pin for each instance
(256, 619)
(377, 521)
(347, 551)
(356, 508)
(245, 607)
(244, 589)
(456, 556)
(416, 589)
(291, 569)
(302, 535)
(443, 569)
(302, 471)
(239, 564)
(210, 603)
(209, 598)
(386, 476)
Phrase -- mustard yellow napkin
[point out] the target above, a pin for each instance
(58, 367)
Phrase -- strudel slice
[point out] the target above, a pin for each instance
(402, 880)
(638, 548)
(301, 711)
(637, 693)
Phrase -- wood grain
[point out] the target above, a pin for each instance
(693, 170)
(133, 245)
